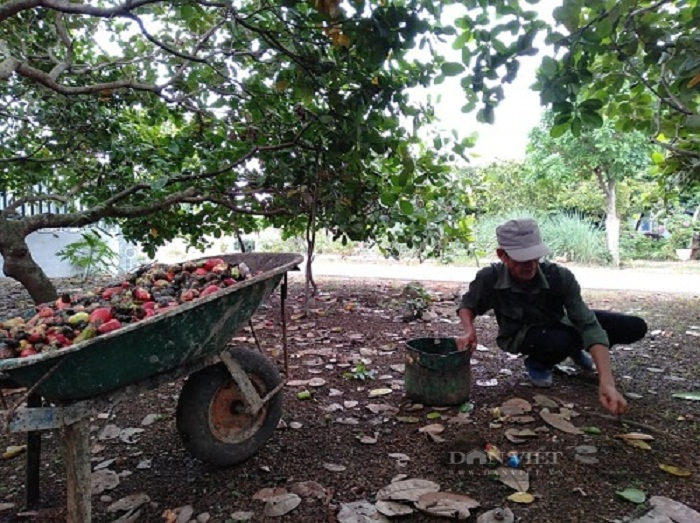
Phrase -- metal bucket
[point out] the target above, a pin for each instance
(436, 372)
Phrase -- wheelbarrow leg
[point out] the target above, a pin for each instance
(33, 458)
(76, 446)
(250, 395)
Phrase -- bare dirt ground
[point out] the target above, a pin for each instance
(353, 443)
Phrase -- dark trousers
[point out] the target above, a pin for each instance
(552, 344)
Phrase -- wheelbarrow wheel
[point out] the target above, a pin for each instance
(211, 417)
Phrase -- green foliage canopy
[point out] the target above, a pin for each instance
(196, 118)
(636, 63)
(135, 107)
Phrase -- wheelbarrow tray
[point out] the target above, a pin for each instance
(155, 345)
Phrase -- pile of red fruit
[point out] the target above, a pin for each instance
(150, 290)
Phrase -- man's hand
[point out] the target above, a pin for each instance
(611, 399)
(608, 394)
(467, 342)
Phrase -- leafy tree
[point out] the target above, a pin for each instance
(604, 155)
(196, 118)
(636, 63)
(436, 220)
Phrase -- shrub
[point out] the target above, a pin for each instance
(575, 238)
(637, 246)
(566, 235)
(91, 255)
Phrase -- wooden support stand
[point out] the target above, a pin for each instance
(76, 445)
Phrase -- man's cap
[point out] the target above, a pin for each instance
(521, 240)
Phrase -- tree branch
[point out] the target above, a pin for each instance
(62, 65)
(46, 80)
(14, 7)
(35, 199)
(247, 156)
(224, 202)
(103, 210)
(676, 150)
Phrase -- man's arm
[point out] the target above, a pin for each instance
(595, 340)
(608, 394)
(468, 341)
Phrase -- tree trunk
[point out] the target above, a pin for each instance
(612, 222)
(310, 289)
(19, 264)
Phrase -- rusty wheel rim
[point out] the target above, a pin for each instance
(228, 420)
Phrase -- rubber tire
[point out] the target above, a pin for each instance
(197, 399)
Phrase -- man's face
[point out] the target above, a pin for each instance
(521, 272)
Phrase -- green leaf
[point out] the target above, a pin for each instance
(632, 494)
(592, 104)
(549, 67)
(692, 123)
(694, 396)
(406, 207)
(592, 430)
(553, 38)
(576, 126)
(592, 119)
(388, 199)
(485, 115)
(559, 130)
(466, 407)
(452, 68)
(657, 157)
(159, 184)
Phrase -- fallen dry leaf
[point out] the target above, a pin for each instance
(521, 497)
(407, 490)
(637, 443)
(150, 419)
(382, 408)
(433, 428)
(280, 505)
(393, 509)
(515, 407)
(361, 511)
(517, 479)
(102, 480)
(635, 436)
(108, 432)
(130, 435)
(242, 516)
(545, 401)
(297, 383)
(130, 502)
(519, 435)
(446, 504)
(676, 471)
(556, 421)
(379, 392)
(269, 492)
(13, 451)
(497, 515)
(308, 489)
(369, 440)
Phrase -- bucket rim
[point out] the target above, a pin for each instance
(433, 355)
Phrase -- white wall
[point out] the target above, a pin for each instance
(46, 243)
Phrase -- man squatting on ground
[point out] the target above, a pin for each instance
(541, 314)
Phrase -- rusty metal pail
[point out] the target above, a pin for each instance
(437, 373)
